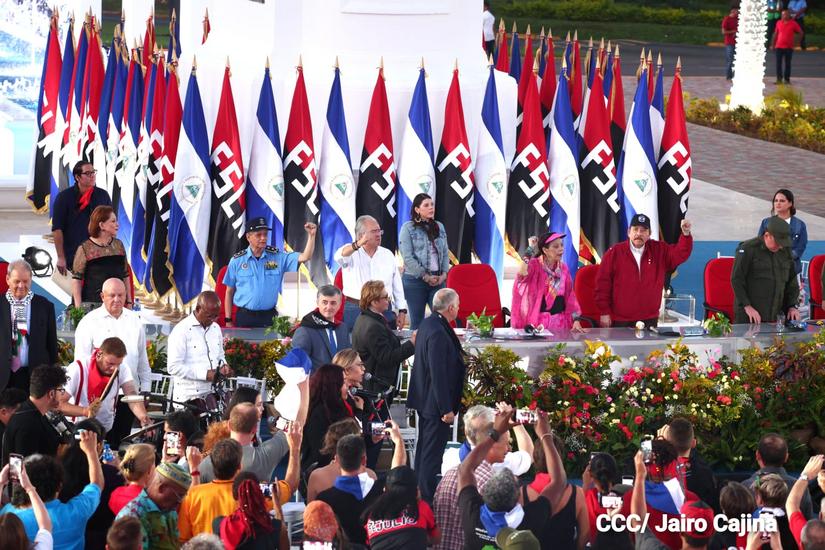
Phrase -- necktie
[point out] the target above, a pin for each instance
(333, 347)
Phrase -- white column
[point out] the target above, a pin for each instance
(749, 58)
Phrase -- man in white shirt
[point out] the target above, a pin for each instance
(113, 320)
(195, 350)
(487, 22)
(89, 393)
(366, 260)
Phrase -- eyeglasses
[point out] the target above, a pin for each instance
(384, 297)
(89, 173)
(377, 232)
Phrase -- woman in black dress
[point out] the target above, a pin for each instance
(100, 257)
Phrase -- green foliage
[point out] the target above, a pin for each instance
(482, 322)
(785, 119)
(65, 352)
(718, 324)
(74, 315)
(281, 326)
(494, 375)
(156, 352)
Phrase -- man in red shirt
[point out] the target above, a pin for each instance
(783, 43)
(730, 23)
(632, 274)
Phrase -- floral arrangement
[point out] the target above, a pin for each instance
(272, 351)
(717, 324)
(244, 357)
(482, 322)
(281, 326)
(65, 352)
(599, 402)
(156, 353)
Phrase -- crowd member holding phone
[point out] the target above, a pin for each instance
(250, 527)
(14, 532)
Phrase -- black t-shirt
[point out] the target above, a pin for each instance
(403, 532)
(536, 514)
(29, 432)
(73, 222)
(348, 509)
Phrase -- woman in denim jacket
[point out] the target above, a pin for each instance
(423, 245)
(783, 206)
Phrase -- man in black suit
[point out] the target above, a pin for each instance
(319, 335)
(28, 334)
(435, 387)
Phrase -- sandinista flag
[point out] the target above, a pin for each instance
(115, 126)
(172, 114)
(547, 93)
(191, 199)
(491, 189)
(637, 167)
(265, 177)
(564, 177)
(127, 156)
(528, 193)
(60, 162)
(526, 70)
(93, 150)
(143, 210)
(614, 91)
(377, 180)
(157, 237)
(674, 165)
(109, 81)
(502, 57)
(455, 185)
(657, 111)
(228, 208)
(576, 91)
(44, 180)
(600, 207)
(415, 165)
(301, 181)
(337, 186)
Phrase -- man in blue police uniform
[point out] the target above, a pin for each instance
(254, 276)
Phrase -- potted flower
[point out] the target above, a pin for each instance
(482, 322)
(717, 325)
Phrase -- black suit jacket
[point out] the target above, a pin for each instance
(437, 379)
(379, 348)
(42, 335)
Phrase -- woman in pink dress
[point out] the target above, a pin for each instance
(543, 290)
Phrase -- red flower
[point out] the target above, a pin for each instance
(639, 419)
(674, 374)
(724, 399)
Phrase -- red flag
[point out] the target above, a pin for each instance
(455, 185)
(228, 216)
(651, 86)
(503, 61)
(528, 194)
(615, 104)
(206, 27)
(526, 69)
(173, 113)
(44, 181)
(148, 47)
(377, 180)
(576, 80)
(548, 84)
(600, 221)
(675, 168)
(92, 91)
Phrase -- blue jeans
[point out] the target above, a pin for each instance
(419, 295)
(729, 49)
(352, 311)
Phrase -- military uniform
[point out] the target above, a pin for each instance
(257, 283)
(764, 280)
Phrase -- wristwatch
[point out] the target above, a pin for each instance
(803, 476)
(227, 319)
(402, 311)
(494, 435)
(355, 245)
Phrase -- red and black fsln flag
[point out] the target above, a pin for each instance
(674, 165)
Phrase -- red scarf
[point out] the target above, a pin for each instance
(97, 382)
(85, 198)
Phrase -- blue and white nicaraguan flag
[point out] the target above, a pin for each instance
(415, 165)
(491, 184)
(336, 182)
(191, 199)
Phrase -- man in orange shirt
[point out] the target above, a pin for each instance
(783, 43)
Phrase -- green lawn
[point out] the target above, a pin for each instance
(644, 32)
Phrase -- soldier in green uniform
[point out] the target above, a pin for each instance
(763, 279)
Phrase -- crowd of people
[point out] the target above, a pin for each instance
(76, 476)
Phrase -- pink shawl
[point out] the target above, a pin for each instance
(528, 291)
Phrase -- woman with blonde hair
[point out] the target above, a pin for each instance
(354, 369)
(137, 467)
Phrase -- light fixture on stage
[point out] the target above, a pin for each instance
(40, 261)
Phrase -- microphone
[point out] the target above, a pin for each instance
(370, 377)
(371, 395)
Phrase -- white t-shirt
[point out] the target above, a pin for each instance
(43, 540)
(487, 22)
(106, 413)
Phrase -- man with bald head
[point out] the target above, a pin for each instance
(28, 335)
(113, 319)
(195, 350)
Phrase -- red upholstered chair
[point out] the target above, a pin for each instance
(815, 280)
(718, 290)
(477, 288)
(130, 276)
(220, 289)
(584, 286)
(339, 282)
(4, 269)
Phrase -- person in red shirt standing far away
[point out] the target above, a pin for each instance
(632, 275)
(730, 24)
(783, 43)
